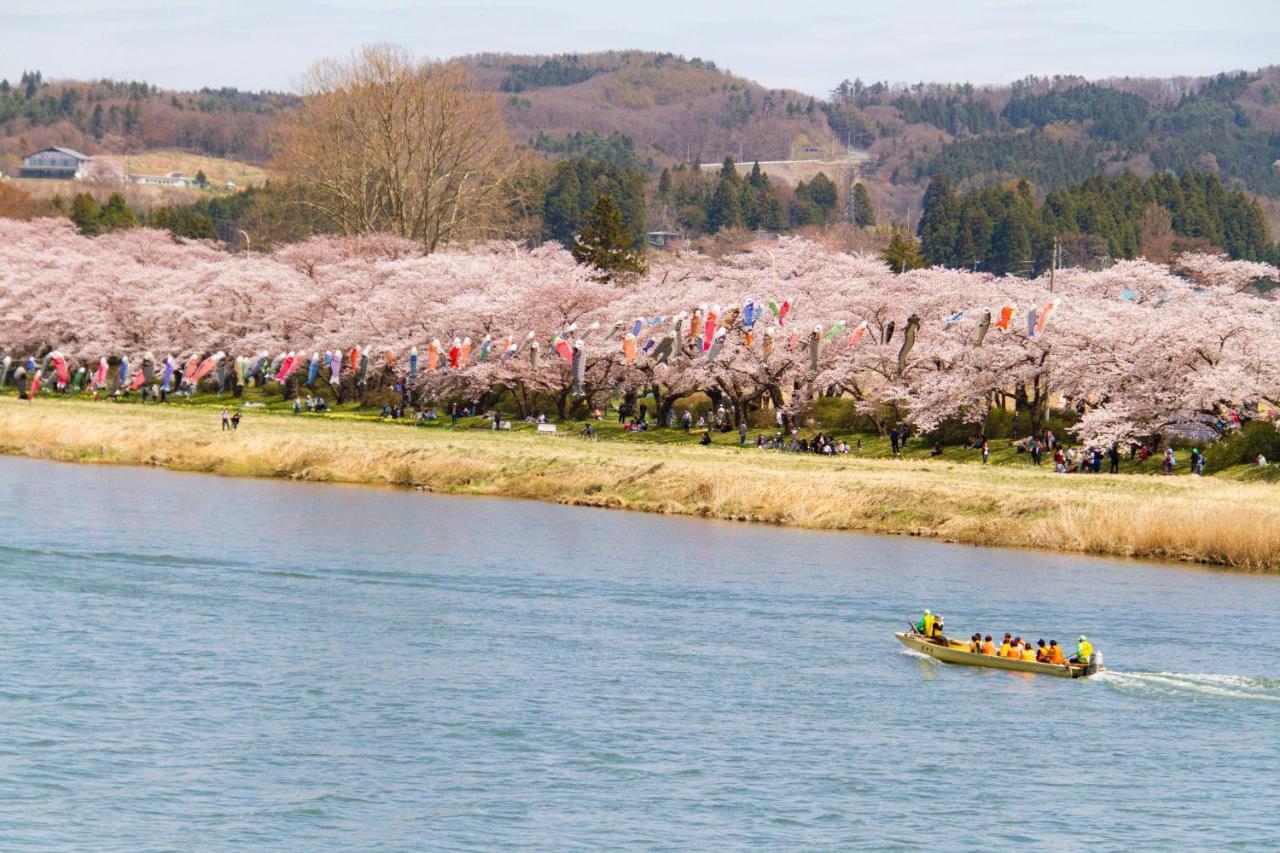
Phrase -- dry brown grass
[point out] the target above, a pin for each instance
(1183, 518)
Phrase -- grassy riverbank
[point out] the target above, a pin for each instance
(1186, 518)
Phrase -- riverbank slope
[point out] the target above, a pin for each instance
(1184, 518)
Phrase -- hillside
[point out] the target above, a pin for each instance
(653, 110)
(127, 117)
(670, 108)
(1058, 131)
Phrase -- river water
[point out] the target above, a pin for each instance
(191, 662)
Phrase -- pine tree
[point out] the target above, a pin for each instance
(605, 244)
(562, 209)
(904, 252)
(940, 224)
(725, 208)
(84, 213)
(97, 123)
(115, 214)
(864, 213)
(823, 193)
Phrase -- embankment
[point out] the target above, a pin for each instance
(1180, 518)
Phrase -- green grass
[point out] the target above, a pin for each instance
(1003, 453)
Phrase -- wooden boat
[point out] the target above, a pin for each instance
(951, 650)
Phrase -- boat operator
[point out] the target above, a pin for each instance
(1084, 651)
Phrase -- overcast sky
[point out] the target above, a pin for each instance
(809, 45)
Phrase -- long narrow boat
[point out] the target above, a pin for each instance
(951, 650)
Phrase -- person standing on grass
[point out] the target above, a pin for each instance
(1169, 460)
(742, 433)
(893, 440)
(235, 420)
(1113, 455)
(986, 451)
(226, 420)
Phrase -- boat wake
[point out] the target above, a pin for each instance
(1173, 684)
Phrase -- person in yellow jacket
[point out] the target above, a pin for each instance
(925, 625)
(1005, 645)
(1028, 653)
(1084, 651)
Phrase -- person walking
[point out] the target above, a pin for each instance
(1113, 456)
(235, 420)
(742, 433)
(1169, 460)
(893, 440)
(226, 420)
(986, 452)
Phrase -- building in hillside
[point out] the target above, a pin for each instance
(172, 179)
(665, 239)
(61, 163)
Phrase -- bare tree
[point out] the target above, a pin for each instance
(383, 142)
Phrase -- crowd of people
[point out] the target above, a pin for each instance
(1011, 647)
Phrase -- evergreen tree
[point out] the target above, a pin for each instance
(904, 252)
(725, 209)
(115, 214)
(940, 223)
(97, 122)
(864, 213)
(605, 245)
(1011, 246)
(823, 193)
(84, 213)
(562, 207)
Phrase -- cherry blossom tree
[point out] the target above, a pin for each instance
(1131, 348)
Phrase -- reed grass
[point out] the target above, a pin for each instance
(1208, 520)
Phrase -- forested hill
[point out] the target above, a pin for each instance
(656, 109)
(1059, 131)
(648, 113)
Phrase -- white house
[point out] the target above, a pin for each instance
(172, 179)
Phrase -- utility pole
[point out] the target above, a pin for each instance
(1054, 257)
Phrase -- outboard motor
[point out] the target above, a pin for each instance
(1095, 664)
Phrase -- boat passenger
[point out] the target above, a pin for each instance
(988, 647)
(1042, 652)
(925, 625)
(1028, 654)
(975, 644)
(1055, 653)
(1015, 649)
(1084, 651)
(937, 626)
(1004, 646)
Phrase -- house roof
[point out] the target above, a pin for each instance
(70, 152)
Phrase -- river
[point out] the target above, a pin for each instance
(193, 662)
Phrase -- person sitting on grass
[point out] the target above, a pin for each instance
(706, 438)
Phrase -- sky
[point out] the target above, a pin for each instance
(810, 45)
